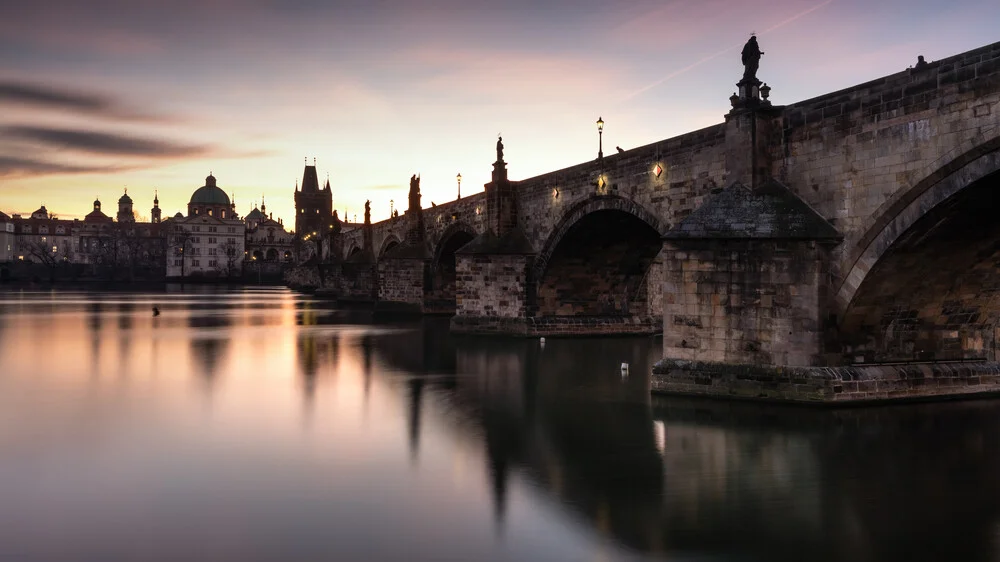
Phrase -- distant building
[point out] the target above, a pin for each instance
(154, 213)
(210, 240)
(42, 238)
(6, 239)
(125, 213)
(313, 206)
(123, 248)
(266, 239)
(90, 233)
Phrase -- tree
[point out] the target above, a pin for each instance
(180, 242)
(230, 258)
(46, 254)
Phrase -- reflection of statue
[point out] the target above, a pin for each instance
(368, 212)
(414, 192)
(751, 59)
(499, 148)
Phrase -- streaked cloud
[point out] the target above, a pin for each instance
(12, 166)
(13, 92)
(97, 142)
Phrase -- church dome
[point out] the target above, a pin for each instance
(124, 199)
(209, 194)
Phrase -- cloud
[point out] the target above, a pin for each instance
(15, 166)
(103, 143)
(48, 97)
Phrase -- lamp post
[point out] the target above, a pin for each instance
(459, 178)
(600, 134)
(392, 207)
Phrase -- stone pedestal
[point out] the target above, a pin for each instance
(495, 289)
(752, 302)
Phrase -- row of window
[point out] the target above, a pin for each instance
(212, 229)
(211, 213)
(43, 229)
(196, 263)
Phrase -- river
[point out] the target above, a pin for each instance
(262, 424)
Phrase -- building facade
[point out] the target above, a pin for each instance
(42, 238)
(210, 241)
(6, 239)
(266, 238)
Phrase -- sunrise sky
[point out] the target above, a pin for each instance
(98, 95)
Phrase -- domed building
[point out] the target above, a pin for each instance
(210, 240)
(210, 200)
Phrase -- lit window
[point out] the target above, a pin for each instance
(210, 212)
(55, 249)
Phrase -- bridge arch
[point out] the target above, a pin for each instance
(390, 242)
(596, 259)
(899, 213)
(456, 231)
(443, 274)
(924, 280)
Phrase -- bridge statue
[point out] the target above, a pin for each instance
(414, 193)
(368, 212)
(751, 60)
(499, 148)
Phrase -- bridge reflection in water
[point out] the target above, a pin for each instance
(672, 476)
(240, 423)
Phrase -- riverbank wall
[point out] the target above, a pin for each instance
(855, 384)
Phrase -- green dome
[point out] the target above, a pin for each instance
(209, 194)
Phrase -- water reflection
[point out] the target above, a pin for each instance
(423, 446)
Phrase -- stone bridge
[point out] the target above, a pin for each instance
(855, 227)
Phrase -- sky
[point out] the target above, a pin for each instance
(104, 95)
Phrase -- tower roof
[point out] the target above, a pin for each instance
(310, 182)
(124, 198)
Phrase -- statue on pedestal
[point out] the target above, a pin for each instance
(414, 193)
(499, 148)
(368, 212)
(751, 61)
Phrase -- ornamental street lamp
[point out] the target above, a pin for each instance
(600, 134)
(459, 178)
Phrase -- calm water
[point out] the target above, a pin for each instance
(262, 425)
